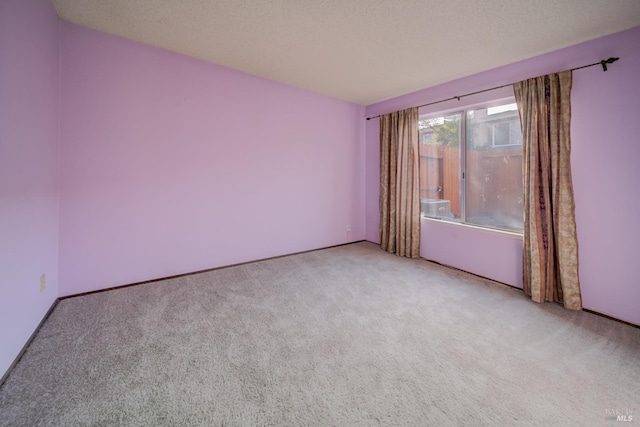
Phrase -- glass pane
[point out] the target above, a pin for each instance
(494, 168)
(440, 166)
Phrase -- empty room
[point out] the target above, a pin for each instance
(319, 213)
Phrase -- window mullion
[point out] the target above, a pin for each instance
(463, 167)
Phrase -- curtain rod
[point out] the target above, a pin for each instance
(604, 63)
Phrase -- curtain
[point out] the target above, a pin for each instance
(550, 255)
(399, 183)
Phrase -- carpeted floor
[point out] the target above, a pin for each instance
(347, 336)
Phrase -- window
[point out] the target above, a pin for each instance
(471, 167)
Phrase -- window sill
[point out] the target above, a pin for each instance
(511, 234)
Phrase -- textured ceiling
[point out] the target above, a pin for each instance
(362, 51)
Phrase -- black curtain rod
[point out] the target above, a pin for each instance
(604, 63)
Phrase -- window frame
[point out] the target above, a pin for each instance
(493, 135)
(434, 112)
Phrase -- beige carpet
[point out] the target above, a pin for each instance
(347, 336)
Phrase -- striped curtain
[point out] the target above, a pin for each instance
(399, 183)
(550, 256)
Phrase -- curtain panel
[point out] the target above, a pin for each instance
(550, 253)
(399, 183)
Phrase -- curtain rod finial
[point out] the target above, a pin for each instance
(608, 61)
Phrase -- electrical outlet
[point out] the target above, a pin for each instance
(43, 282)
(348, 227)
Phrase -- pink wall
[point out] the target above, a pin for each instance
(172, 165)
(605, 154)
(29, 65)
(489, 254)
(605, 145)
